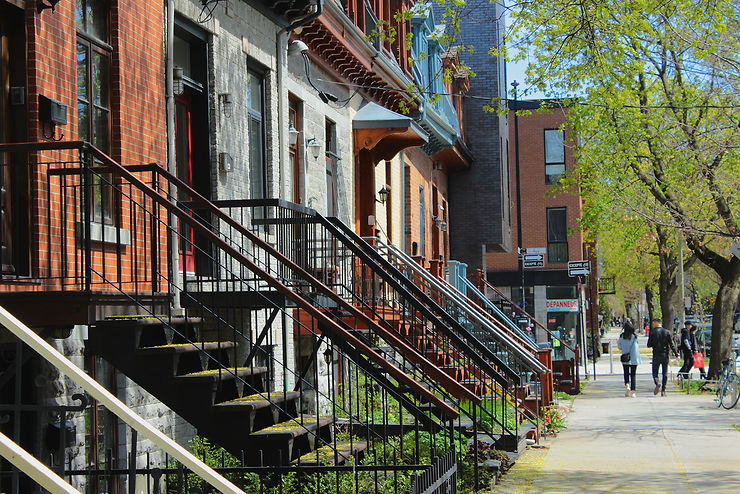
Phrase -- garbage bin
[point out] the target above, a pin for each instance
(604, 347)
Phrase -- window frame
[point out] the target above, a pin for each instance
(553, 244)
(261, 118)
(548, 179)
(103, 200)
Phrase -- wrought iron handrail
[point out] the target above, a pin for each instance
(108, 164)
(526, 339)
(522, 311)
(445, 289)
(213, 207)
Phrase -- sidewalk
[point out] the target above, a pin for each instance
(676, 444)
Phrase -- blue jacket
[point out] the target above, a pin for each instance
(632, 347)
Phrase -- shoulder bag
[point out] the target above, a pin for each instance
(625, 357)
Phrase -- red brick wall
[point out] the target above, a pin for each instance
(138, 120)
(535, 199)
(419, 172)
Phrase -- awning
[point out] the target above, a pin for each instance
(385, 132)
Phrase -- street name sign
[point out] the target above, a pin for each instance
(578, 268)
(533, 260)
(535, 250)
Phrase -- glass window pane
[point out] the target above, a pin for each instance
(100, 129)
(557, 225)
(557, 252)
(100, 79)
(554, 147)
(83, 121)
(182, 55)
(97, 19)
(256, 165)
(254, 93)
(82, 60)
(80, 15)
(553, 173)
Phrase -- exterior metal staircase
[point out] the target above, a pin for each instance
(223, 352)
(402, 319)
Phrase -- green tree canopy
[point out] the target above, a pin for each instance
(657, 86)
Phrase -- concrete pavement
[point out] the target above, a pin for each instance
(677, 444)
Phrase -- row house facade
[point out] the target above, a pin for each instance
(213, 207)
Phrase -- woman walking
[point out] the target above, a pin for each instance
(630, 357)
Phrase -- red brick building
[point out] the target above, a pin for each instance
(550, 221)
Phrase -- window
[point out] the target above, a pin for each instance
(257, 163)
(331, 167)
(422, 234)
(294, 121)
(557, 235)
(101, 428)
(554, 156)
(93, 93)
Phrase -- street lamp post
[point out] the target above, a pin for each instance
(514, 84)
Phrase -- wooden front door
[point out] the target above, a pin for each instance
(184, 160)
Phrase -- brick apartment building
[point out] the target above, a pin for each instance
(550, 221)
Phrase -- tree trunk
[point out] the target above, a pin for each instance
(650, 303)
(722, 332)
(667, 283)
(668, 304)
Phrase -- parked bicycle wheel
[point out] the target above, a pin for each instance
(730, 395)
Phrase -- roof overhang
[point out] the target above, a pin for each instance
(385, 132)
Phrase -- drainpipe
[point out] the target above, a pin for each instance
(170, 102)
(281, 49)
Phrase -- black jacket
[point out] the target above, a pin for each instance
(660, 341)
(686, 345)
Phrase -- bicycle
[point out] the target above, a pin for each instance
(727, 388)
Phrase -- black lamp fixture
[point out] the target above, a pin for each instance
(328, 354)
(383, 194)
(41, 5)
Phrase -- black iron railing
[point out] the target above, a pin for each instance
(246, 296)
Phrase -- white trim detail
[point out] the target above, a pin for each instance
(32, 467)
(115, 405)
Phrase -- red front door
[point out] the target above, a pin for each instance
(184, 159)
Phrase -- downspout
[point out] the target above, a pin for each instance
(170, 109)
(281, 49)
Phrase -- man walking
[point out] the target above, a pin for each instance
(686, 351)
(660, 341)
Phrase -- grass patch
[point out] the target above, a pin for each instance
(695, 387)
(737, 427)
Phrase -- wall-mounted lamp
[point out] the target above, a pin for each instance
(178, 85)
(383, 194)
(227, 105)
(443, 226)
(297, 46)
(315, 146)
(328, 354)
(293, 135)
(41, 5)
(437, 220)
